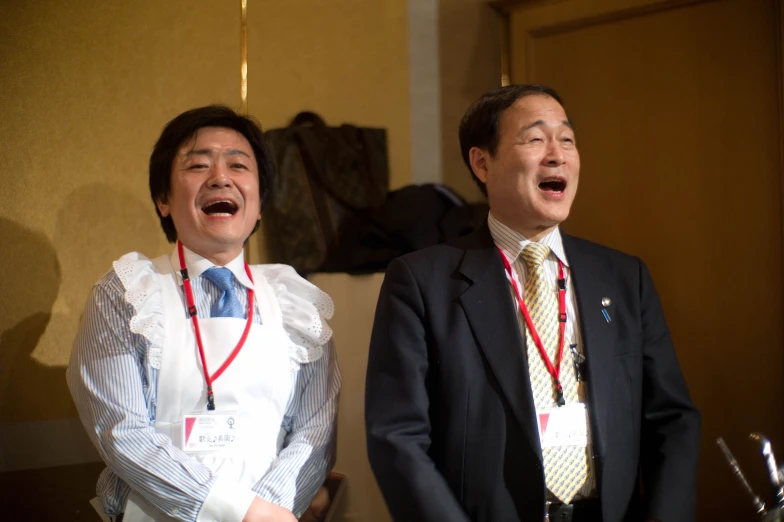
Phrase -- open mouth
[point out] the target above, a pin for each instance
(223, 207)
(553, 185)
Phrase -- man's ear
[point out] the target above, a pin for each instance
(163, 207)
(478, 159)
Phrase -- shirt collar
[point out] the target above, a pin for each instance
(197, 265)
(512, 242)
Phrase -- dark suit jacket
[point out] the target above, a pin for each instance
(450, 420)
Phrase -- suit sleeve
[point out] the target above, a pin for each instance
(670, 434)
(396, 406)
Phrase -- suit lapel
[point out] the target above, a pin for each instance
(591, 287)
(490, 311)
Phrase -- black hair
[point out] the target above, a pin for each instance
(479, 126)
(183, 128)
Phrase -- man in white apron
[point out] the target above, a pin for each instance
(209, 387)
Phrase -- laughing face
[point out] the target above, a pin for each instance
(532, 178)
(214, 197)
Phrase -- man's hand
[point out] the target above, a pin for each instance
(318, 507)
(262, 511)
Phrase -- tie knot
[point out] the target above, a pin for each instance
(534, 254)
(222, 277)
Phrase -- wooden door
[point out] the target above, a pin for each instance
(677, 110)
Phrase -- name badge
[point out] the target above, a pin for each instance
(209, 432)
(564, 426)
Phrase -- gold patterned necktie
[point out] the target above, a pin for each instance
(565, 467)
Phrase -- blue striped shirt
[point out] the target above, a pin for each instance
(114, 387)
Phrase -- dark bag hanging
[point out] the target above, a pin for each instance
(412, 218)
(328, 177)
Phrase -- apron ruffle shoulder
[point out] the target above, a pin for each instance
(305, 309)
(143, 291)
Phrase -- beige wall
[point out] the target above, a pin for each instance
(470, 65)
(343, 59)
(85, 91)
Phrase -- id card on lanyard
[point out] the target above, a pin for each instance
(564, 426)
(209, 432)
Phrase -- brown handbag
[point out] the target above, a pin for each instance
(328, 178)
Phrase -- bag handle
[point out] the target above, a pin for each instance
(308, 117)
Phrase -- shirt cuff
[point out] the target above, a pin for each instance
(226, 502)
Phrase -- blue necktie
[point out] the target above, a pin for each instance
(227, 304)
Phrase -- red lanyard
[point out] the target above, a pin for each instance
(555, 371)
(192, 311)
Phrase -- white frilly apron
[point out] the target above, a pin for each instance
(256, 386)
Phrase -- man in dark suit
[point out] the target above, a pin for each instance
(521, 373)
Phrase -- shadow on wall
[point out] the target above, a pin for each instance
(31, 279)
(96, 224)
